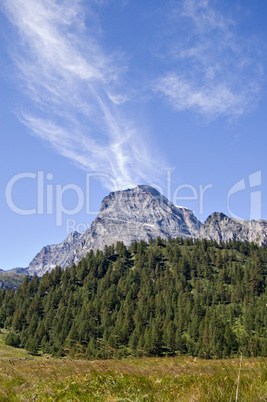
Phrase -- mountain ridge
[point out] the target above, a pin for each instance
(221, 227)
(138, 214)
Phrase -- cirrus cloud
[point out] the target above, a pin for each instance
(70, 79)
(210, 69)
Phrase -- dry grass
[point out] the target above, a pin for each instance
(145, 379)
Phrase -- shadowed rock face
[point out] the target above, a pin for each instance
(136, 214)
(140, 214)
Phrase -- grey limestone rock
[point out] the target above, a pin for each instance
(138, 214)
(56, 254)
(220, 227)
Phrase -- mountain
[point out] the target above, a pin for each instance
(220, 227)
(19, 270)
(12, 278)
(57, 254)
(136, 214)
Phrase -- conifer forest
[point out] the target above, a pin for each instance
(169, 297)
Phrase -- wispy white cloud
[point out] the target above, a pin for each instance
(78, 90)
(209, 100)
(71, 80)
(205, 18)
(212, 70)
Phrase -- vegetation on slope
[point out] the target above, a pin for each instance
(11, 279)
(186, 297)
(24, 378)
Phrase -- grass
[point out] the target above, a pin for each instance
(24, 378)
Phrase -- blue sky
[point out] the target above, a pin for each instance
(98, 96)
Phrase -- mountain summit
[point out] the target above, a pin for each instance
(138, 214)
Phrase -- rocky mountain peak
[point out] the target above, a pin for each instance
(216, 217)
(138, 214)
(142, 213)
(116, 199)
(221, 227)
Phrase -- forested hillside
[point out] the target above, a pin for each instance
(192, 297)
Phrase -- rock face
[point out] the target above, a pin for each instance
(137, 214)
(56, 254)
(140, 214)
(220, 227)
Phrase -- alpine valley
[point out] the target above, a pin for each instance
(142, 213)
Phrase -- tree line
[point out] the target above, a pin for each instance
(191, 297)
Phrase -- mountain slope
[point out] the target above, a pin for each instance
(140, 214)
(220, 227)
(136, 214)
(56, 254)
(12, 278)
